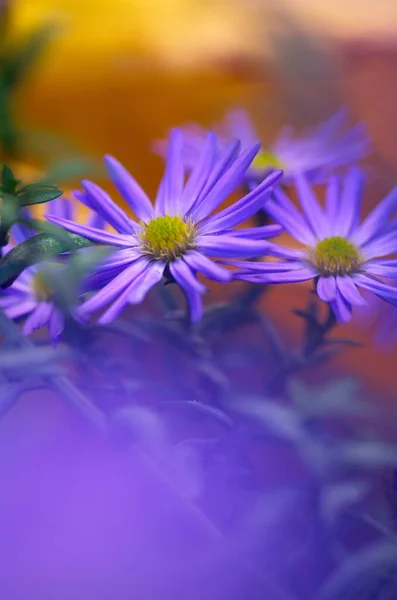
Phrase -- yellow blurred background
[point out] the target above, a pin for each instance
(121, 72)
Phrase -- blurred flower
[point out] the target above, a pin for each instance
(175, 236)
(31, 295)
(340, 253)
(317, 154)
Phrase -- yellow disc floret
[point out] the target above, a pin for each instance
(336, 256)
(266, 160)
(167, 238)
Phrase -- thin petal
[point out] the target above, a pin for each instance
(311, 207)
(376, 287)
(181, 272)
(200, 173)
(349, 291)
(342, 309)
(239, 125)
(385, 268)
(129, 189)
(225, 157)
(199, 262)
(348, 216)
(225, 185)
(326, 288)
(294, 276)
(38, 318)
(382, 246)
(105, 206)
(256, 233)
(228, 246)
(135, 291)
(377, 219)
(265, 267)
(114, 287)
(95, 235)
(243, 209)
(192, 288)
(56, 324)
(23, 307)
(291, 220)
(170, 189)
(332, 203)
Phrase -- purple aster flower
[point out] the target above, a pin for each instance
(339, 252)
(30, 295)
(317, 154)
(176, 235)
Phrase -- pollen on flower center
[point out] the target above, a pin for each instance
(167, 237)
(266, 160)
(336, 256)
(41, 288)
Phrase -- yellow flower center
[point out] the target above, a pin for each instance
(41, 288)
(336, 256)
(167, 238)
(266, 160)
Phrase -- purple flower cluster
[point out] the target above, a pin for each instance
(182, 234)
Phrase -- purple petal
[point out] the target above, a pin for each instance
(348, 217)
(115, 287)
(228, 246)
(290, 219)
(56, 324)
(199, 262)
(349, 291)
(38, 318)
(223, 161)
(105, 206)
(311, 207)
(341, 308)
(22, 307)
(200, 173)
(385, 268)
(256, 233)
(170, 189)
(135, 291)
(95, 235)
(225, 185)
(326, 288)
(129, 189)
(243, 209)
(192, 288)
(60, 207)
(182, 272)
(371, 284)
(294, 276)
(266, 267)
(382, 246)
(376, 220)
(332, 203)
(240, 126)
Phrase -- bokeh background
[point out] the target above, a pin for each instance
(117, 75)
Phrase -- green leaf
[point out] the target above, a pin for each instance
(8, 180)
(38, 193)
(9, 211)
(37, 249)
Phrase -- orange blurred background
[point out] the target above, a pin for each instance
(121, 72)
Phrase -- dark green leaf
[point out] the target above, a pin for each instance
(9, 211)
(8, 180)
(37, 193)
(37, 249)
